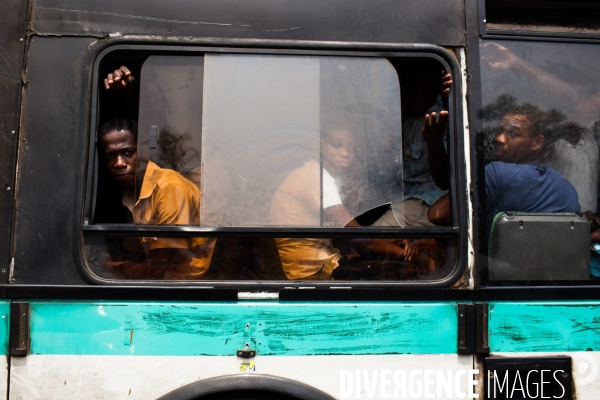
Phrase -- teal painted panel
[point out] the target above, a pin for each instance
(272, 328)
(544, 326)
(4, 325)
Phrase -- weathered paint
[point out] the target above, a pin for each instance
(544, 326)
(148, 377)
(4, 335)
(215, 329)
(4, 325)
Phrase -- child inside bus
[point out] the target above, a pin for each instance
(297, 202)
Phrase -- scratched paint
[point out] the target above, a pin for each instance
(136, 328)
(544, 326)
(4, 325)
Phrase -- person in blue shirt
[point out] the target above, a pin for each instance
(518, 181)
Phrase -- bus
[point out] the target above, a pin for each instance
(300, 199)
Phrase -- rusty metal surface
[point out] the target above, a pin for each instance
(401, 21)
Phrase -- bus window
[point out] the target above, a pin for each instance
(255, 142)
(540, 113)
(536, 16)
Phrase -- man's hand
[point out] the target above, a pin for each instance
(499, 57)
(446, 83)
(409, 250)
(133, 270)
(434, 128)
(119, 78)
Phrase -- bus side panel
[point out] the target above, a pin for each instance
(54, 136)
(12, 34)
(332, 20)
(540, 328)
(148, 377)
(146, 349)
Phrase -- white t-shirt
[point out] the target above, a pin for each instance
(331, 195)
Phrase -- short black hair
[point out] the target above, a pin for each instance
(119, 124)
(538, 119)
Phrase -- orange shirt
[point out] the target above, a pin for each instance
(297, 202)
(167, 198)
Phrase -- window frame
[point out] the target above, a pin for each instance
(455, 151)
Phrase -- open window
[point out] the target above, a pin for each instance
(280, 167)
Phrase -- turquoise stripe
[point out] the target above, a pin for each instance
(4, 325)
(544, 326)
(217, 329)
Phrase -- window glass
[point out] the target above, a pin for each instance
(573, 16)
(259, 258)
(282, 132)
(277, 141)
(541, 117)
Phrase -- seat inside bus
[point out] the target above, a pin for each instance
(516, 252)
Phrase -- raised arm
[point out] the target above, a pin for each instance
(118, 79)
(434, 129)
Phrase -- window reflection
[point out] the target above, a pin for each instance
(541, 107)
(256, 258)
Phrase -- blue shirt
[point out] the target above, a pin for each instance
(532, 188)
(417, 179)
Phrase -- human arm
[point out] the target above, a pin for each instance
(434, 130)
(119, 94)
(395, 250)
(446, 83)
(119, 78)
(439, 212)
(501, 58)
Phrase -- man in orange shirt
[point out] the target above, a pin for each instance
(165, 198)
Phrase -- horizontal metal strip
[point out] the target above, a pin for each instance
(324, 291)
(216, 329)
(186, 231)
